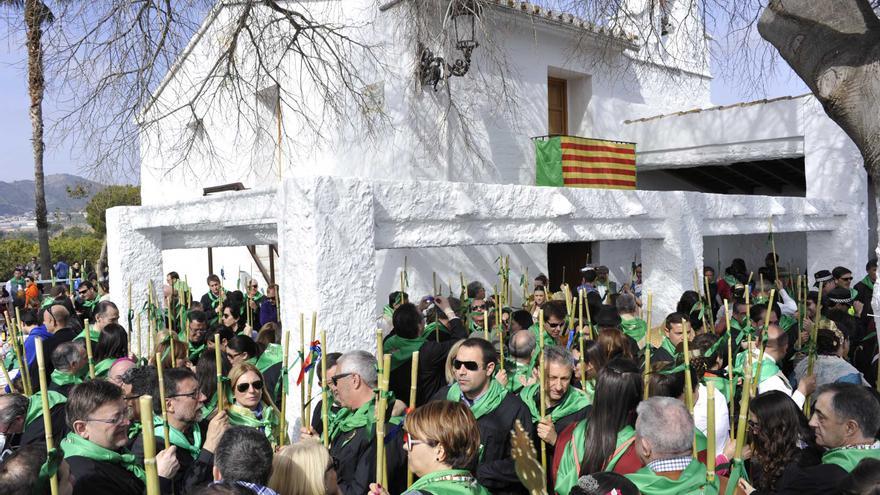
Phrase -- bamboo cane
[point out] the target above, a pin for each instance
(583, 366)
(89, 351)
(773, 247)
(729, 362)
(710, 309)
(6, 376)
(589, 318)
(282, 424)
(800, 313)
(218, 361)
(486, 325)
(310, 387)
(140, 348)
(152, 475)
(325, 419)
(811, 359)
(647, 372)
(710, 432)
(743, 416)
(47, 419)
(380, 421)
(688, 383)
(697, 283)
(131, 312)
(765, 329)
(541, 391)
(22, 363)
(165, 426)
(414, 377)
(150, 305)
(302, 384)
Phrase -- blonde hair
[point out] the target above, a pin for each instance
(450, 373)
(300, 469)
(239, 370)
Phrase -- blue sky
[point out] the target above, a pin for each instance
(16, 160)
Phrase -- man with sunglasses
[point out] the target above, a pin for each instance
(95, 447)
(554, 323)
(195, 447)
(495, 409)
(85, 302)
(254, 299)
(353, 431)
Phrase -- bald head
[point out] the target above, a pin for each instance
(522, 344)
(55, 318)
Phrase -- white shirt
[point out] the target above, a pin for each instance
(722, 420)
(787, 305)
(780, 383)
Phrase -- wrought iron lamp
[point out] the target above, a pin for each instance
(433, 68)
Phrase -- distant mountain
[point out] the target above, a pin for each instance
(17, 198)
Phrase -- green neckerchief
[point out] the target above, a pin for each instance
(490, 400)
(388, 312)
(742, 331)
(847, 458)
(768, 368)
(636, 328)
(35, 405)
(176, 437)
(721, 384)
(589, 389)
(525, 370)
(209, 406)
(103, 366)
(215, 299)
(573, 401)
(134, 429)
(256, 298)
(48, 470)
(347, 420)
(95, 334)
(868, 282)
(569, 467)
(691, 481)
(448, 482)
(738, 471)
(548, 339)
(61, 378)
(787, 322)
(77, 446)
(47, 302)
(666, 344)
(432, 328)
(195, 351)
(90, 305)
(242, 416)
(731, 280)
(273, 355)
(402, 349)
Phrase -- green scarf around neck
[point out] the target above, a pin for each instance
(666, 345)
(548, 339)
(768, 367)
(518, 370)
(103, 366)
(868, 282)
(848, 458)
(691, 481)
(636, 328)
(273, 355)
(176, 437)
(573, 401)
(35, 405)
(242, 416)
(94, 334)
(195, 351)
(77, 446)
(402, 349)
(490, 400)
(573, 454)
(448, 482)
(431, 329)
(61, 378)
(347, 420)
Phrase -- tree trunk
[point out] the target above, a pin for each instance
(102, 259)
(35, 13)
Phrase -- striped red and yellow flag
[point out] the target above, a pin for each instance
(598, 163)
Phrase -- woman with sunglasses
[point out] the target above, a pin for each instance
(443, 442)
(785, 458)
(253, 406)
(304, 468)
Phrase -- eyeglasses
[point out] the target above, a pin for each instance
(469, 365)
(335, 378)
(116, 420)
(243, 387)
(232, 355)
(132, 397)
(753, 426)
(555, 325)
(194, 394)
(408, 441)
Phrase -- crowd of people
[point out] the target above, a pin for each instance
(611, 403)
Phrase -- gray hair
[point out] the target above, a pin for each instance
(66, 355)
(522, 344)
(361, 363)
(559, 355)
(626, 303)
(666, 424)
(12, 407)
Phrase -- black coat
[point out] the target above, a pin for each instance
(496, 470)
(102, 478)
(356, 453)
(36, 431)
(318, 422)
(432, 367)
(192, 472)
(806, 476)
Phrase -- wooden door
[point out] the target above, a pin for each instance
(557, 106)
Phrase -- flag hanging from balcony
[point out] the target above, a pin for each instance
(568, 161)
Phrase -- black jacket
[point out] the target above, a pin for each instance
(432, 367)
(318, 422)
(806, 476)
(495, 470)
(356, 453)
(36, 431)
(192, 472)
(102, 478)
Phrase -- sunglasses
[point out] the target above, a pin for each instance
(243, 387)
(84, 292)
(555, 325)
(335, 378)
(469, 365)
(846, 279)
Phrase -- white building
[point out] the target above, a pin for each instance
(346, 211)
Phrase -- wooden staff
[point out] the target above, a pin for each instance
(773, 247)
(138, 325)
(542, 387)
(486, 325)
(172, 336)
(22, 364)
(282, 424)
(697, 283)
(382, 404)
(589, 318)
(131, 312)
(525, 287)
(309, 388)
(743, 415)
(801, 310)
(730, 361)
(218, 361)
(811, 358)
(710, 432)
(765, 329)
(151, 324)
(162, 399)
(302, 385)
(710, 309)
(6, 376)
(583, 367)
(647, 376)
(688, 383)
(414, 381)
(152, 475)
(89, 351)
(47, 419)
(325, 409)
